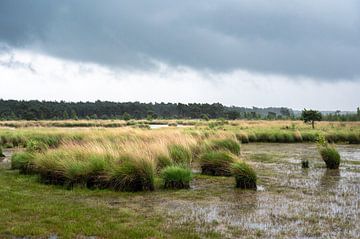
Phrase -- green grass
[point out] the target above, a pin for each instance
(225, 144)
(245, 176)
(330, 156)
(29, 209)
(217, 163)
(22, 161)
(133, 175)
(180, 155)
(175, 177)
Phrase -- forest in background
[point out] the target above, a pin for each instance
(45, 110)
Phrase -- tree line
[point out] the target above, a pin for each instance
(40, 110)
(59, 110)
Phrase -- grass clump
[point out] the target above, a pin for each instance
(217, 163)
(23, 162)
(305, 163)
(244, 174)
(133, 175)
(328, 153)
(163, 161)
(179, 154)
(226, 144)
(243, 137)
(1, 152)
(176, 177)
(330, 156)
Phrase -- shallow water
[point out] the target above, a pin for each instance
(291, 202)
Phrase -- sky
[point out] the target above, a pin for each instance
(298, 54)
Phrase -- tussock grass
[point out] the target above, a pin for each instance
(133, 175)
(225, 144)
(245, 176)
(176, 177)
(23, 161)
(1, 152)
(217, 163)
(330, 156)
(180, 154)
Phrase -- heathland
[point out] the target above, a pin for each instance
(179, 179)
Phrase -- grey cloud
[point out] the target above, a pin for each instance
(308, 38)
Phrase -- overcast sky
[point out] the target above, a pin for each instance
(299, 53)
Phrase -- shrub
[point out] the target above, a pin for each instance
(133, 175)
(243, 137)
(216, 163)
(226, 144)
(244, 174)
(23, 162)
(179, 154)
(331, 156)
(176, 177)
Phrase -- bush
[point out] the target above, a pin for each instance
(331, 156)
(217, 163)
(23, 162)
(244, 174)
(226, 144)
(176, 177)
(133, 175)
(179, 154)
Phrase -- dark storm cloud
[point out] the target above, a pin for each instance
(302, 37)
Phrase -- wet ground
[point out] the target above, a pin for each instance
(291, 202)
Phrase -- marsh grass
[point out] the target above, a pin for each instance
(180, 154)
(23, 161)
(1, 152)
(245, 176)
(133, 175)
(305, 163)
(225, 144)
(217, 163)
(330, 156)
(176, 177)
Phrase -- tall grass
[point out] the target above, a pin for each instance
(244, 174)
(133, 175)
(1, 152)
(225, 144)
(217, 163)
(175, 177)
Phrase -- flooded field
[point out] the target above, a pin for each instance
(290, 202)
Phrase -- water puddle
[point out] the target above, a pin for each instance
(290, 202)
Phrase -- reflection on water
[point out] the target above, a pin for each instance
(295, 203)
